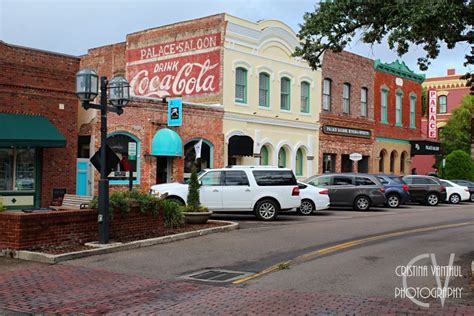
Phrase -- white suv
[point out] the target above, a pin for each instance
(263, 190)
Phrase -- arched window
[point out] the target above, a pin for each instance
(443, 101)
(205, 161)
(382, 156)
(403, 160)
(264, 161)
(393, 158)
(118, 142)
(282, 157)
(305, 103)
(285, 94)
(299, 162)
(241, 85)
(264, 90)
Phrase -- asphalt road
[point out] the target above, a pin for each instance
(366, 269)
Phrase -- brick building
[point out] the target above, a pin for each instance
(450, 90)
(397, 100)
(38, 115)
(183, 59)
(347, 115)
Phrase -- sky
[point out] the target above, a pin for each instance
(73, 26)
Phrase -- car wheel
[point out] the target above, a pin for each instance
(175, 200)
(393, 201)
(432, 199)
(472, 197)
(454, 198)
(266, 210)
(362, 203)
(307, 207)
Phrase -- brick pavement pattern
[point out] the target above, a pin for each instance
(61, 289)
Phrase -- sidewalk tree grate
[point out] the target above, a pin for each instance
(216, 275)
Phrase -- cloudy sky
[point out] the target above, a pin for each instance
(73, 26)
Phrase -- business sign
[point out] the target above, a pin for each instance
(132, 151)
(355, 157)
(346, 131)
(175, 112)
(432, 108)
(185, 67)
(424, 147)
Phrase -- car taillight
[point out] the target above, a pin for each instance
(296, 191)
(382, 190)
(324, 192)
(466, 189)
(405, 188)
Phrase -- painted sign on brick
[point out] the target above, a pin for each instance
(432, 108)
(181, 68)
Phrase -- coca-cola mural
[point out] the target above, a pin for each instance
(181, 68)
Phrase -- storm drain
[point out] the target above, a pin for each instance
(216, 275)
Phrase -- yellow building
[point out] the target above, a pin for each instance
(271, 99)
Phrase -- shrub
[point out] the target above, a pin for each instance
(173, 214)
(2, 207)
(193, 203)
(459, 166)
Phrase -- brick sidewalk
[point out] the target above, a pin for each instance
(66, 289)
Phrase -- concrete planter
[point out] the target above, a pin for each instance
(197, 217)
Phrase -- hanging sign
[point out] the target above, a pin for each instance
(432, 107)
(175, 112)
(132, 151)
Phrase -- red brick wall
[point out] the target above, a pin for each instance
(144, 117)
(358, 71)
(390, 130)
(36, 82)
(25, 231)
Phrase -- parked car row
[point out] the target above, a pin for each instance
(267, 191)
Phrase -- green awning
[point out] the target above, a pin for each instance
(19, 130)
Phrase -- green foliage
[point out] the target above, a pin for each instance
(121, 202)
(193, 201)
(459, 165)
(173, 214)
(457, 132)
(427, 24)
(2, 207)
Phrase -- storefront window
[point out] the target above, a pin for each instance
(205, 161)
(119, 144)
(329, 163)
(17, 169)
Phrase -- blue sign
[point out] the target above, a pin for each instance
(175, 112)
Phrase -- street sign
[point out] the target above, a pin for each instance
(175, 112)
(355, 157)
(112, 160)
(132, 151)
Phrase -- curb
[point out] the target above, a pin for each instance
(49, 258)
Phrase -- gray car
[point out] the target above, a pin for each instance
(361, 191)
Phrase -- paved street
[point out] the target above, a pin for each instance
(341, 279)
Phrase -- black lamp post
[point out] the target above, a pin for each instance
(87, 85)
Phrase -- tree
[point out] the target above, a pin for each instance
(459, 165)
(334, 24)
(457, 132)
(193, 202)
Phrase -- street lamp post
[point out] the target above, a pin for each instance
(87, 90)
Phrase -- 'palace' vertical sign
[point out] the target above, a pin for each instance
(184, 67)
(432, 108)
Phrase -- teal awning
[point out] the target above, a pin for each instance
(167, 143)
(19, 130)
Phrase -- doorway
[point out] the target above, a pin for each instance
(164, 169)
(346, 163)
(363, 165)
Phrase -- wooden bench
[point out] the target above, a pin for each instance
(74, 202)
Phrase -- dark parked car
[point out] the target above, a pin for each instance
(396, 190)
(361, 191)
(468, 184)
(425, 189)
